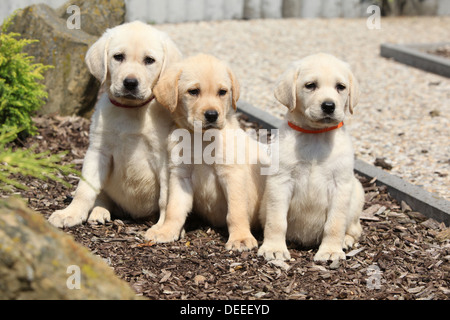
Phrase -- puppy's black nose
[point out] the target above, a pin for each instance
(328, 107)
(130, 83)
(211, 116)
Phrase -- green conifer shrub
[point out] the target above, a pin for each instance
(21, 94)
(43, 166)
(21, 90)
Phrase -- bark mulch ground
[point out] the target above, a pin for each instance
(401, 255)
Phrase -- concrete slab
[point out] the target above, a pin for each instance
(417, 198)
(415, 55)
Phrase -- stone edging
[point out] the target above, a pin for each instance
(417, 198)
(416, 55)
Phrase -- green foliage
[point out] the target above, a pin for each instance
(21, 92)
(43, 166)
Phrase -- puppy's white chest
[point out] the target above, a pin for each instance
(209, 198)
(312, 189)
(311, 185)
(132, 181)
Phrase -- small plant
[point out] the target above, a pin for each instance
(21, 92)
(42, 166)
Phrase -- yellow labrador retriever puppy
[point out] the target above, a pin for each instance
(201, 92)
(315, 198)
(125, 168)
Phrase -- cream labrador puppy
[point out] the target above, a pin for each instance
(315, 198)
(201, 92)
(125, 168)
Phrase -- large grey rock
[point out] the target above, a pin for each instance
(96, 15)
(71, 88)
(37, 261)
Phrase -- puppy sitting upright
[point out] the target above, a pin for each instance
(201, 92)
(315, 198)
(125, 168)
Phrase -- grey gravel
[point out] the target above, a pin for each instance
(403, 114)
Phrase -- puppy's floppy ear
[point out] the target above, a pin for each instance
(235, 88)
(171, 52)
(353, 95)
(286, 88)
(97, 57)
(166, 90)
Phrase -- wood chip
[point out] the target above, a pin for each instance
(199, 279)
(369, 213)
(165, 277)
(354, 252)
(405, 254)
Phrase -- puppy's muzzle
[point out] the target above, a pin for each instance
(328, 107)
(211, 116)
(131, 84)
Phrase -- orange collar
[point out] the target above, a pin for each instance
(117, 104)
(293, 126)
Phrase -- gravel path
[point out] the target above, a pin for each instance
(403, 114)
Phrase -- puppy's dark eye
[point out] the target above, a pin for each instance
(149, 60)
(340, 87)
(119, 57)
(311, 86)
(222, 92)
(194, 92)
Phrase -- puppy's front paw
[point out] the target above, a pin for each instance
(274, 251)
(244, 243)
(328, 253)
(349, 242)
(99, 215)
(162, 234)
(67, 218)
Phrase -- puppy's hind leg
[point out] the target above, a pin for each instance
(354, 229)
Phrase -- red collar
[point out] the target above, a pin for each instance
(293, 126)
(117, 104)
